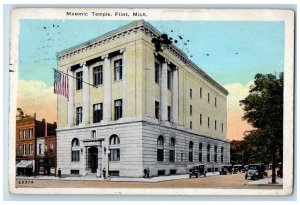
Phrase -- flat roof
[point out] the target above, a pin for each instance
(136, 24)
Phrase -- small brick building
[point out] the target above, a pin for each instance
(28, 131)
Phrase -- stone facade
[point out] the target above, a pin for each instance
(142, 97)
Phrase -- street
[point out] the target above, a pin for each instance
(218, 181)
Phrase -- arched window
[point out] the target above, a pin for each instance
(75, 142)
(208, 153)
(191, 146)
(216, 154)
(160, 148)
(222, 154)
(114, 139)
(75, 150)
(114, 148)
(172, 150)
(200, 152)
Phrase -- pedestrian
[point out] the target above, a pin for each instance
(59, 172)
(104, 173)
(145, 172)
(148, 173)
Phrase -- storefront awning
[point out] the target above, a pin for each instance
(25, 164)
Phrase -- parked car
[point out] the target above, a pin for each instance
(256, 171)
(246, 167)
(224, 170)
(237, 168)
(198, 170)
(279, 171)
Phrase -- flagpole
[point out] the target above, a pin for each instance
(74, 77)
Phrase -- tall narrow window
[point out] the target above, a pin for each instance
(222, 127)
(51, 148)
(20, 134)
(78, 115)
(191, 110)
(201, 93)
(200, 152)
(200, 119)
(118, 109)
(169, 113)
(118, 70)
(79, 80)
(191, 93)
(24, 149)
(30, 133)
(191, 146)
(215, 101)
(191, 125)
(30, 146)
(208, 153)
(215, 124)
(208, 122)
(222, 154)
(157, 67)
(24, 134)
(114, 148)
(172, 150)
(40, 149)
(160, 148)
(94, 134)
(208, 97)
(19, 150)
(97, 112)
(216, 153)
(169, 79)
(98, 75)
(75, 157)
(157, 110)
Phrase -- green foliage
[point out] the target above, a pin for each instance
(264, 111)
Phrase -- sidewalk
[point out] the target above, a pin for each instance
(266, 182)
(92, 177)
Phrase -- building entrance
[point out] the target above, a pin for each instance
(93, 159)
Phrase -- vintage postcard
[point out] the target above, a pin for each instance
(151, 101)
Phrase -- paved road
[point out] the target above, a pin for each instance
(224, 181)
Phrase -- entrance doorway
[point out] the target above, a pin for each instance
(93, 159)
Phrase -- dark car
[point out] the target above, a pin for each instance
(279, 171)
(256, 171)
(198, 170)
(224, 170)
(237, 168)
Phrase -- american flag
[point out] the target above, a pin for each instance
(61, 83)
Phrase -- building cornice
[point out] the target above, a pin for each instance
(133, 28)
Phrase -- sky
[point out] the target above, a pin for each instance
(231, 52)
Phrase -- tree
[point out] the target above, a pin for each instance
(264, 111)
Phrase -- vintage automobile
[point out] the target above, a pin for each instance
(279, 171)
(198, 170)
(237, 168)
(256, 171)
(224, 170)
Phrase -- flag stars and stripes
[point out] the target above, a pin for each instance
(61, 83)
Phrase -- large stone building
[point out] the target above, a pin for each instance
(140, 109)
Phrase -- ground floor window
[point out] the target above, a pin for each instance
(172, 171)
(172, 156)
(114, 155)
(161, 172)
(114, 173)
(160, 155)
(74, 172)
(75, 156)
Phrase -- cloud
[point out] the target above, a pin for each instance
(236, 126)
(37, 97)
